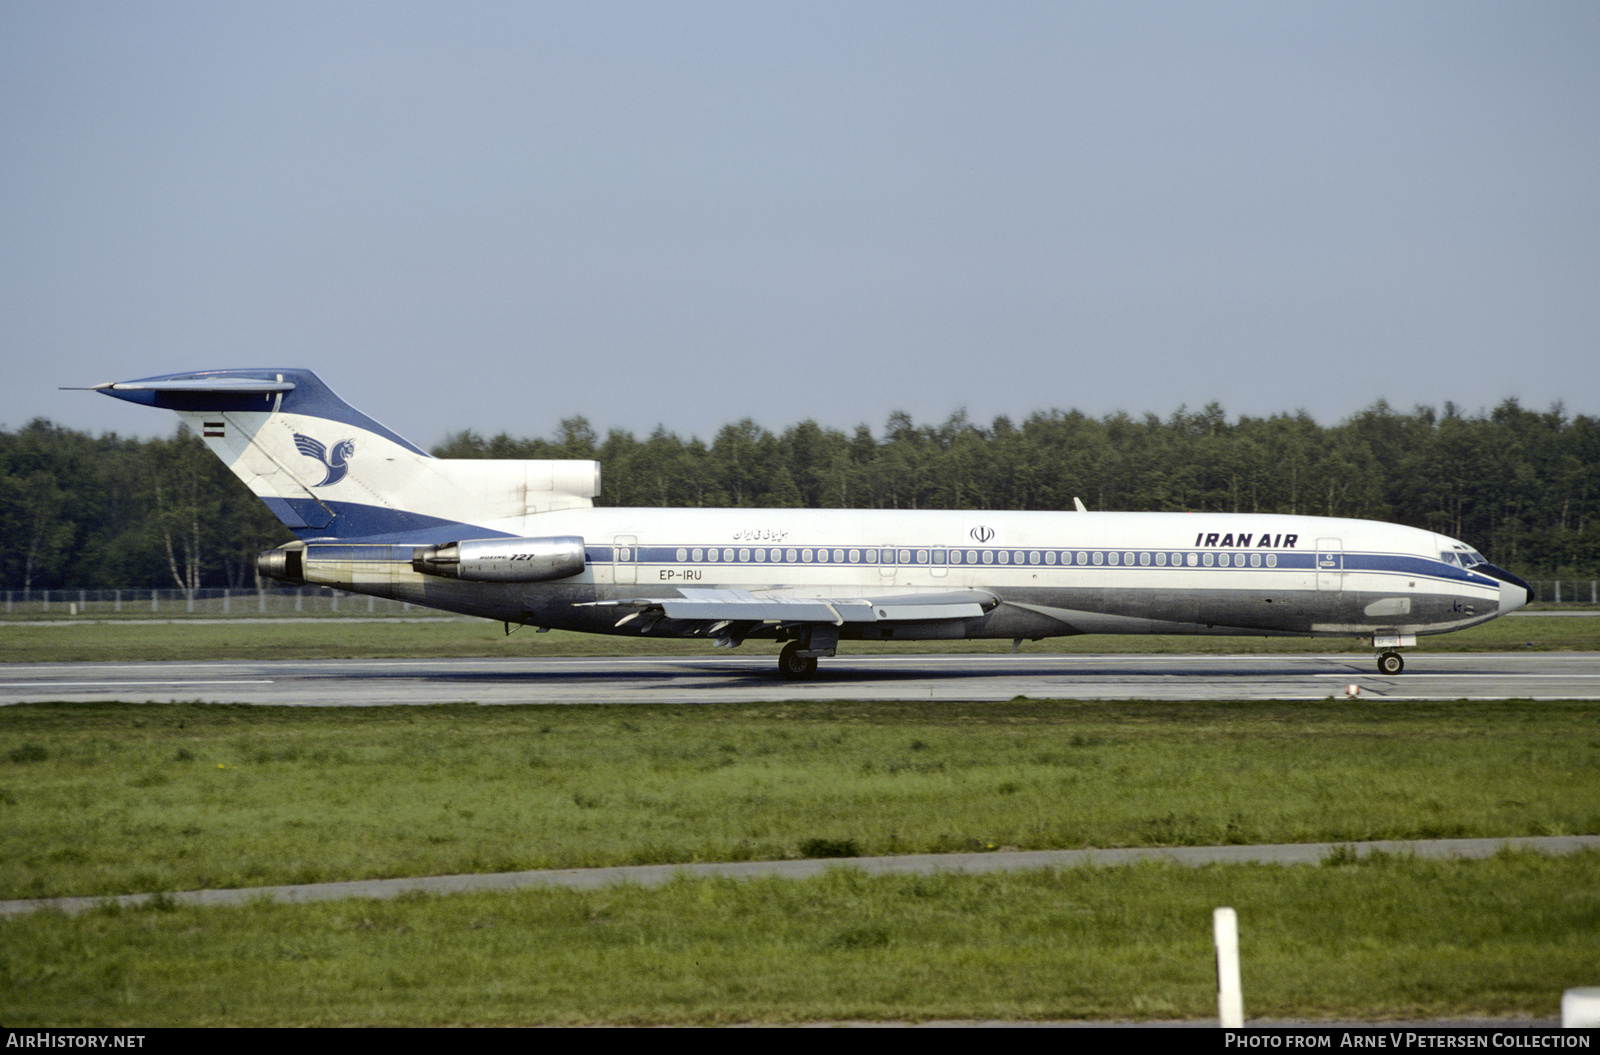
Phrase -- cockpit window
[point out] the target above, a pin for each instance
(1449, 557)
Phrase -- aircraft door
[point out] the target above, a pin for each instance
(887, 568)
(1330, 564)
(625, 559)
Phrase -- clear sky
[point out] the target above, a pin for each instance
(495, 215)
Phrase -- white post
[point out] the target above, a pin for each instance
(1580, 1008)
(1230, 998)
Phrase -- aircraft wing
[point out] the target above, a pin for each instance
(786, 608)
(731, 611)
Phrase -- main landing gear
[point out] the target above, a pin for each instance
(795, 667)
(798, 660)
(1390, 663)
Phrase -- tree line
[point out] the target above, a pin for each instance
(84, 512)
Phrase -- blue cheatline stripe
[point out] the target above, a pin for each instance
(371, 525)
(956, 557)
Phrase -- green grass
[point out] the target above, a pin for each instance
(330, 638)
(1385, 938)
(124, 798)
(119, 798)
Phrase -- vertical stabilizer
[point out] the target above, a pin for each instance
(328, 471)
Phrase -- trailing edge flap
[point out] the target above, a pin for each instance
(785, 608)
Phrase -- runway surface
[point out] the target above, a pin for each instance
(749, 678)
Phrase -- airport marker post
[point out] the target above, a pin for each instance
(1230, 997)
(1580, 1008)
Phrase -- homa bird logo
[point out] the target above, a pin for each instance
(336, 463)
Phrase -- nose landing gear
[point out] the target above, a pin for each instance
(1389, 661)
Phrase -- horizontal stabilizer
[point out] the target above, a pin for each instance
(202, 384)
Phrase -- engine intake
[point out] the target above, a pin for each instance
(502, 559)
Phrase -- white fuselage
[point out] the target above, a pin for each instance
(1054, 573)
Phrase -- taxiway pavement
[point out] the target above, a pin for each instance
(910, 864)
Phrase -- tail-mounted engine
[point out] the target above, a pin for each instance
(502, 559)
(287, 563)
(342, 564)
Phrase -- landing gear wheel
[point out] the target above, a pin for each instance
(795, 667)
(1390, 663)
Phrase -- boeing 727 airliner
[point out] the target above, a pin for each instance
(522, 542)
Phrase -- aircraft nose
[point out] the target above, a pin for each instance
(1514, 591)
